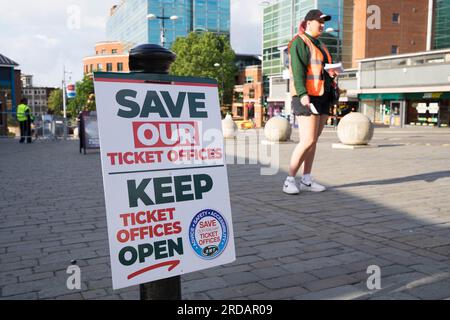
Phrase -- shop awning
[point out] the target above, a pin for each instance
(381, 96)
(348, 99)
(428, 95)
(404, 96)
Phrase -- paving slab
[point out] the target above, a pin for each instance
(385, 206)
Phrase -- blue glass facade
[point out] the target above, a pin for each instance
(129, 22)
(335, 10)
(442, 24)
(280, 24)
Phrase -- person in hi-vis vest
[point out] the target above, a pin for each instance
(24, 117)
(310, 88)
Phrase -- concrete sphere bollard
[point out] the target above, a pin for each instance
(355, 129)
(277, 129)
(229, 127)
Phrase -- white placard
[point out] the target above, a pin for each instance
(422, 108)
(164, 176)
(433, 108)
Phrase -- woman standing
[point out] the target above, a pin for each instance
(311, 90)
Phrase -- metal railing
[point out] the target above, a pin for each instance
(43, 127)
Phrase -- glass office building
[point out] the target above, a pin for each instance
(128, 22)
(280, 24)
(442, 24)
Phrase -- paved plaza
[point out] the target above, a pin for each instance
(386, 206)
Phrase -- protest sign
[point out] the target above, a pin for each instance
(164, 176)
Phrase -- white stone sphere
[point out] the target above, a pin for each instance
(355, 129)
(229, 127)
(277, 129)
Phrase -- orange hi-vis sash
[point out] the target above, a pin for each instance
(314, 71)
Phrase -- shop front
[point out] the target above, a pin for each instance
(399, 109)
(429, 109)
(274, 108)
(345, 106)
(384, 109)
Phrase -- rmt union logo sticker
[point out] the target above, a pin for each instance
(208, 234)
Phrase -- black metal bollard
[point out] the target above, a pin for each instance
(152, 58)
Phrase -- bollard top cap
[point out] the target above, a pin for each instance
(151, 58)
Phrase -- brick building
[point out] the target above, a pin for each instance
(248, 95)
(109, 56)
(38, 98)
(402, 28)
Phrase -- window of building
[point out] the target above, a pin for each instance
(103, 51)
(99, 67)
(395, 18)
(119, 66)
(399, 62)
(91, 67)
(394, 49)
(418, 61)
(114, 51)
(109, 67)
(251, 94)
(248, 79)
(238, 97)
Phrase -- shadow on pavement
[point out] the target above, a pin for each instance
(308, 246)
(428, 177)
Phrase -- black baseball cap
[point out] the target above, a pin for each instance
(316, 15)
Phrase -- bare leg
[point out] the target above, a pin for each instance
(308, 127)
(309, 159)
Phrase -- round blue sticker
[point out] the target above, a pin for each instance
(208, 234)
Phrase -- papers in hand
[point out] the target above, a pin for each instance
(336, 67)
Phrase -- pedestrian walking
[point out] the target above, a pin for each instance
(25, 118)
(312, 96)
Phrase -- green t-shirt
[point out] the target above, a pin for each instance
(300, 56)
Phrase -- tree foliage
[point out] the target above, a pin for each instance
(84, 89)
(55, 102)
(197, 55)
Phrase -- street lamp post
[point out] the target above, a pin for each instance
(218, 65)
(338, 31)
(162, 17)
(64, 101)
(144, 59)
(338, 41)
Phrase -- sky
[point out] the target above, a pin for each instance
(46, 36)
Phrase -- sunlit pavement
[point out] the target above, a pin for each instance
(385, 206)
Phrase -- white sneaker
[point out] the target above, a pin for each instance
(290, 187)
(311, 186)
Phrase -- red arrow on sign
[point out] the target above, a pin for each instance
(172, 265)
